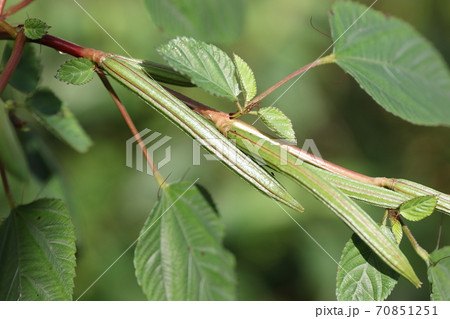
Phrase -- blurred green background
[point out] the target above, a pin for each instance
(276, 260)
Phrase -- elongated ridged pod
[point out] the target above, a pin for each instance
(160, 72)
(195, 126)
(261, 146)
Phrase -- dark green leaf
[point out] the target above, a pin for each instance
(439, 274)
(208, 67)
(35, 29)
(76, 71)
(277, 121)
(57, 118)
(219, 21)
(180, 255)
(11, 152)
(393, 63)
(246, 78)
(362, 275)
(418, 208)
(37, 252)
(27, 73)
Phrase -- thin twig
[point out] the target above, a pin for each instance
(13, 9)
(419, 250)
(13, 60)
(2, 6)
(259, 98)
(132, 128)
(312, 26)
(8, 192)
(8, 28)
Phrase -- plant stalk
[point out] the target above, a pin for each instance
(123, 111)
(327, 59)
(13, 60)
(13, 9)
(419, 250)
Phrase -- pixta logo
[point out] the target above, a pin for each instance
(152, 143)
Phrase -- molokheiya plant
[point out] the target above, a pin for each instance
(179, 253)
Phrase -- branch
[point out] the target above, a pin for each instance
(260, 97)
(13, 9)
(132, 128)
(13, 60)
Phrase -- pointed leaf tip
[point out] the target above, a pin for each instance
(246, 78)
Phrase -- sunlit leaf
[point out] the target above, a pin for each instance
(396, 65)
(37, 252)
(362, 275)
(48, 109)
(277, 121)
(418, 208)
(35, 28)
(439, 274)
(180, 255)
(208, 67)
(246, 78)
(219, 21)
(76, 71)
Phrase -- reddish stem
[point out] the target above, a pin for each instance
(13, 9)
(263, 95)
(131, 126)
(2, 6)
(13, 60)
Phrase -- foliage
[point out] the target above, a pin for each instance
(180, 252)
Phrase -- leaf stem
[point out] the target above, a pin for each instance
(8, 192)
(161, 182)
(327, 59)
(8, 28)
(13, 9)
(13, 60)
(419, 250)
(2, 6)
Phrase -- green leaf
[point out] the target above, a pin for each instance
(76, 71)
(400, 69)
(439, 274)
(418, 208)
(220, 21)
(208, 67)
(11, 152)
(277, 121)
(27, 73)
(246, 78)
(37, 252)
(362, 275)
(180, 255)
(396, 229)
(57, 118)
(35, 29)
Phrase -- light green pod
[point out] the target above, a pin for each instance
(274, 153)
(195, 126)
